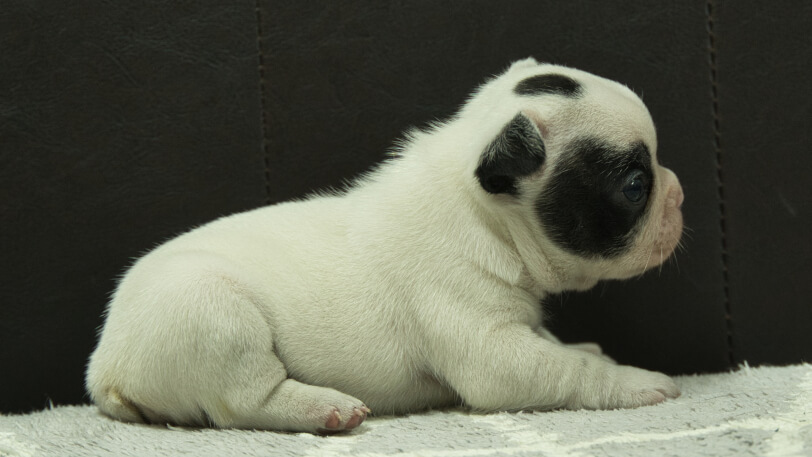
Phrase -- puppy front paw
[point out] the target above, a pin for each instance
(634, 387)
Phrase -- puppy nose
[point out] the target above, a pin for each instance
(674, 188)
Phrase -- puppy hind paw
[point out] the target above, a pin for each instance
(358, 417)
(297, 407)
(335, 423)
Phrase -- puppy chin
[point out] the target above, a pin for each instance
(582, 283)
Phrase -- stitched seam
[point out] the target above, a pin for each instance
(266, 154)
(720, 183)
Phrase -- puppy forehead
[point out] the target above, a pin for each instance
(576, 103)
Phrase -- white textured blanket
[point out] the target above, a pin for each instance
(754, 411)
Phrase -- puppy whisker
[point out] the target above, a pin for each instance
(681, 247)
(687, 233)
(662, 260)
(648, 259)
(675, 259)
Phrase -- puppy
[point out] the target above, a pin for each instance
(419, 286)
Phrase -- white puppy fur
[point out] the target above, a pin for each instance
(418, 287)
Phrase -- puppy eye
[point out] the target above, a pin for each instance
(635, 188)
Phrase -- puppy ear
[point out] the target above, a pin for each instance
(524, 63)
(517, 151)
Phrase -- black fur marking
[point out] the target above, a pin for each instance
(584, 208)
(549, 84)
(517, 151)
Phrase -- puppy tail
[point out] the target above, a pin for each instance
(112, 403)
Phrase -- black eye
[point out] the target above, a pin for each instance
(635, 188)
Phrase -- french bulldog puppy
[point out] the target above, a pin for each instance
(419, 286)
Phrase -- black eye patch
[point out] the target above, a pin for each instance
(596, 197)
(549, 84)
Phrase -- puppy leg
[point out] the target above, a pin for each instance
(509, 367)
(299, 407)
(186, 342)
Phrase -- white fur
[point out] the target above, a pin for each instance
(413, 289)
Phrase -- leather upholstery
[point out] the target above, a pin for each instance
(765, 118)
(119, 127)
(123, 124)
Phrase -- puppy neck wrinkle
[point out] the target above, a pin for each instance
(542, 272)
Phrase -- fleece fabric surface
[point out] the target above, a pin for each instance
(763, 411)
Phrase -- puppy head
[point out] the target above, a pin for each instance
(574, 156)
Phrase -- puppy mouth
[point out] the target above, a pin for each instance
(668, 237)
(663, 251)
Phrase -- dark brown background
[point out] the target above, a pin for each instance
(124, 123)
